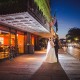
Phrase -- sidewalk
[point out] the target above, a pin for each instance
(71, 66)
(49, 71)
(32, 67)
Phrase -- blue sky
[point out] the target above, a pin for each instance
(67, 13)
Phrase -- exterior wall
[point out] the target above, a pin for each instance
(29, 41)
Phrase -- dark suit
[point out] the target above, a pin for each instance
(56, 47)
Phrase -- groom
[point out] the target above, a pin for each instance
(56, 41)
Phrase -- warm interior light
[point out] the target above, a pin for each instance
(0, 31)
(17, 34)
(32, 40)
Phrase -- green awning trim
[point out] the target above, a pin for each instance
(44, 8)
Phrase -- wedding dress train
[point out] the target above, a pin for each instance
(50, 55)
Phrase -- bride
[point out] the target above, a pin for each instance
(50, 55)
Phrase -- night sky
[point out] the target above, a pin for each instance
(67, 14)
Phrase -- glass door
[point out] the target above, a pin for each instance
(20, 38)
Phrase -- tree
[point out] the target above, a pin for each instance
(73, 34)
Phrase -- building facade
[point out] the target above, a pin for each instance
(21, 22)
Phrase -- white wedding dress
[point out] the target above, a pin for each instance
(50, 55)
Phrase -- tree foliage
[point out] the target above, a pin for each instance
(73, 33)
